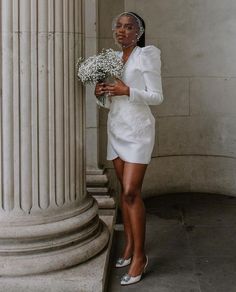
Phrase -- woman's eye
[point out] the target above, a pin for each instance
(125, 27)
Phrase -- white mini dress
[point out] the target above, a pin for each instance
(130, 124)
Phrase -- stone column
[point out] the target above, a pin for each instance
(48, 221)
(97, 180)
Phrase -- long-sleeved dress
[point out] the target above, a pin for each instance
(130, 124)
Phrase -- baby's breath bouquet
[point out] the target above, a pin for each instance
(99, 67)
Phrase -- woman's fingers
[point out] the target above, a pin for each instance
(109, 87)
(117, 88)
(110, 90)
(100, 92)
(100, 89)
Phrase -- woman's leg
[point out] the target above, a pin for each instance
(133, 174)
(128, 250)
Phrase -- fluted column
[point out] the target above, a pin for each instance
(48, 221)
(97, 179)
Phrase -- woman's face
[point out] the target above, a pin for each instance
(126, 31)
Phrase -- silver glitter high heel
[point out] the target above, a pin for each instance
(127, 279)
(121, 262)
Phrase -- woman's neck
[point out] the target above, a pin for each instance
(127, 51)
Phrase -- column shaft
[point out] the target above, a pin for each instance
(44, 208)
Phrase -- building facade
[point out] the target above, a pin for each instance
(46, 214)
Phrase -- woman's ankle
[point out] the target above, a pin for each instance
(140, 257)
(128, 251)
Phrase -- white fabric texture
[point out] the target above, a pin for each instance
(130, 124)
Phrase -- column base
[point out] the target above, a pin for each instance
(52, 246)
(98, 186)
(90, 276)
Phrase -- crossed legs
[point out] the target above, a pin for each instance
(131, 177)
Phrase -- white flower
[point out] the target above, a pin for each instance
(99, 67)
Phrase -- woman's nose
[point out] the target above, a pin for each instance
(121, 29)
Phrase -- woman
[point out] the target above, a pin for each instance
(131, 132)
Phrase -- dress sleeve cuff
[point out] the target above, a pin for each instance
(136, 95)
(132, 94)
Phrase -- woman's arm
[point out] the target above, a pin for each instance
(150, 65)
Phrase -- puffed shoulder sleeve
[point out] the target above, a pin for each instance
(150, 65)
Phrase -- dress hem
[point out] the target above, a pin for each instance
(125, 160)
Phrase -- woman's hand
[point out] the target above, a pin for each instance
(99, 89)
(116, 88)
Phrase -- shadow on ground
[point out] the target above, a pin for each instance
(191, 243)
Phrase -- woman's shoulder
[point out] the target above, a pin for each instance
(150, 57)
(150, 50)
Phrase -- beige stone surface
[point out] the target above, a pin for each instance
(103, 145)
(92, 113)
(92, 148)
(86, 277)
(175, 174)
(199, 135)
(90, 46)
(176, 102)
(103, 113)
(213, 96)
(185, 57)
(167, 174)
(105, 43)
(211, 174)
(105, 19)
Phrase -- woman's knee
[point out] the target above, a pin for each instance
(130, 194)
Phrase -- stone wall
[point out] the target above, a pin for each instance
(195, 146)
